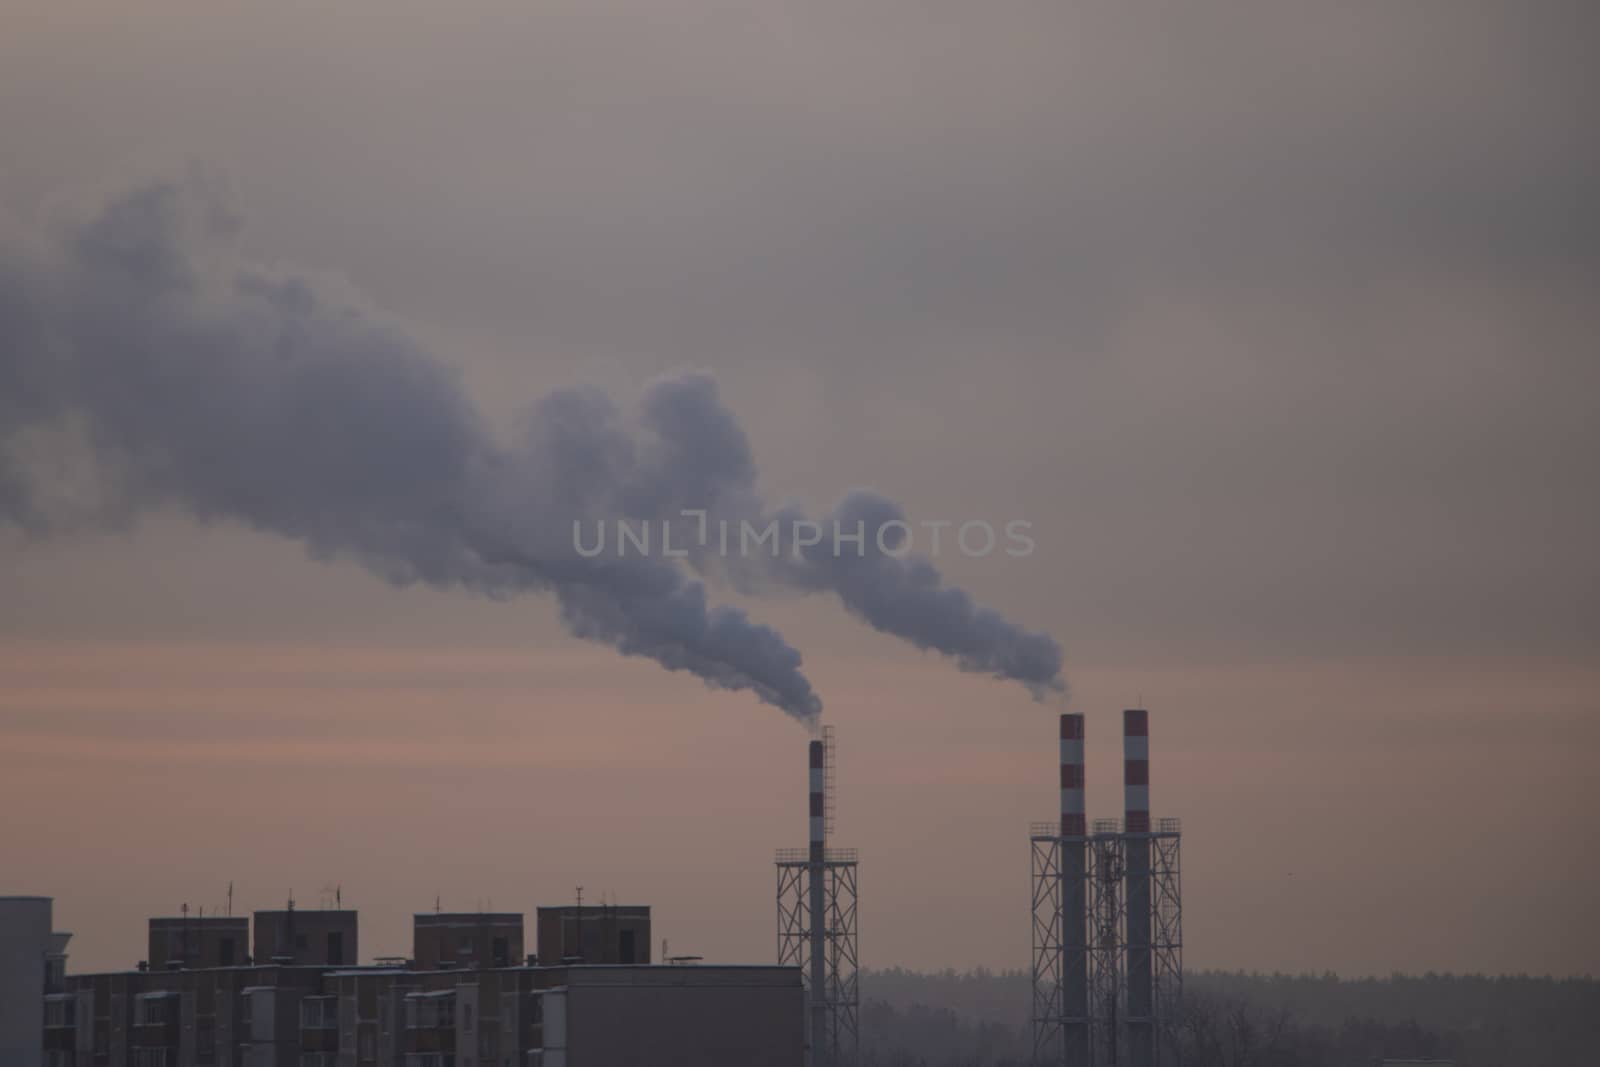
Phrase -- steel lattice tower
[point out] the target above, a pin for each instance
(1060, 1011)
(1107, 921)
(1166, 945)
(1107, 913)
(817, 892)
(1046, 1014)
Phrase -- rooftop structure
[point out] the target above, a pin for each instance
(322, 936)
(189, 941)
(594, 933)
(466, 940)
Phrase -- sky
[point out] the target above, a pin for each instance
(1277, 325)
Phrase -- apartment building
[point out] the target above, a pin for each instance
(466, 998)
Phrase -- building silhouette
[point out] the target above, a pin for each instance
(33, 959)
(467, 996)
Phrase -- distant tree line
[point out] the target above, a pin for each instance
(1237, 1019)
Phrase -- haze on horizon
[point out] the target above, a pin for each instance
(1277, 326)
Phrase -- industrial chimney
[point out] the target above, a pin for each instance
(1136, 892)
(816, 910)
(1074, 909)
(817, 922)
(1107, 916)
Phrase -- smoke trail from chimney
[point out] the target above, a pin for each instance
(183, 375)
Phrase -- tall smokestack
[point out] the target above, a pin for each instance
(1074, 909)
(1136, 845)
(1136, 769)
(1072, 817)
(818, 958)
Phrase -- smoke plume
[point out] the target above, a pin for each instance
(144, 363)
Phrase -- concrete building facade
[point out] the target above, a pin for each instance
(455, 1004)
(191, 941)
(32, 966)
(603, 933)
(527, 1016)
(325, 937)
(466, 940)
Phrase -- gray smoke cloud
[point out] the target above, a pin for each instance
(144, 363)
(698, 458)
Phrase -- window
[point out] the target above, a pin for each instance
(225, 952)
(319, 1059)
(319, 1013)
(466, 1016)
(430, 1011)
(336, 948)
(62, 1012)
(502, 952)
(152, 1057)
(154, 1009)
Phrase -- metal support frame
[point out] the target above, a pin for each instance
(1107, 998)
(1060, 948)
(1166, 943)
(841, 994)
(1106, 951)
(1048, 1011)
(1106, 921)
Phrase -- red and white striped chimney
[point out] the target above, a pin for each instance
(818, 789)
(1136, 770)
(1073, 823)
(816, 934)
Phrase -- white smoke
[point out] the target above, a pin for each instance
(186, 376)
